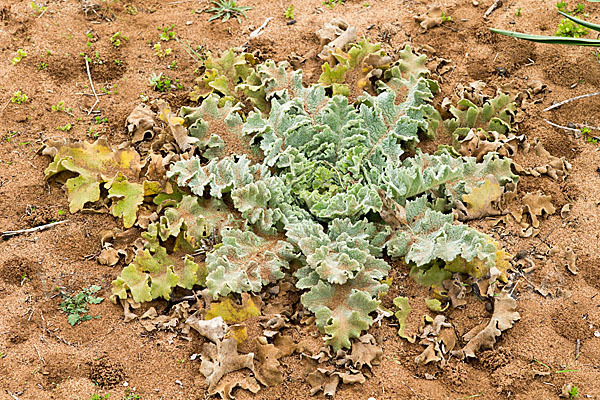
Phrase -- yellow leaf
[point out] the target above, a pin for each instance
(480, 201)
(232, 312)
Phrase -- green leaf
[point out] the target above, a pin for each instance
(580, 21)
(403, 310)
(363, 62)
(222, 75)
(550, 39)
(130, 195)
(96, 163)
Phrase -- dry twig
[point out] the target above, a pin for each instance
(87, 66)
(8, 234)
(552, 107)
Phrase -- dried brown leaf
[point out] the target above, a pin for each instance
(225, 387)
(140, 123)
(220, 359)
(571, 261)
(334, 35)
(537, 205)
(503, 318)
(212, 329)
(268, 369)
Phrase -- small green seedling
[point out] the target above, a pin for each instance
(160, 83)
(225, 9)
(117, 38)
(38, 10)
(100, 120)
(289, 13)
(19, 97)
(518, 13)
(100, 397)
(42, 66)
(573, 392)
(160, 52)
(65, 128)
(173, 65)
(20, 54)
(332, 3)
(167, 33)
(567, 28)
(446, 18)
(91, 132)
(76, 306)
(61, 107)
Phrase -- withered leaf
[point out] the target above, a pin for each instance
(503, 318)
(220, 359)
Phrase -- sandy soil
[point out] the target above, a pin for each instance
(43, 357)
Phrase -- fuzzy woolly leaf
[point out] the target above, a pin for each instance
(245, 262)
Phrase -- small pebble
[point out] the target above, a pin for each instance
(292, 22)
(177, 381)
(126, 384)
(475, 3)
(596, 333)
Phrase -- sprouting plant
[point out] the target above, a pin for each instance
(65, 128)
(118, 62)
(573, 392)
(446, 18)
(173, 65)
(76, 306)
(226, 9)
(20, 54)
(61, 107)
(116, 39)
(160, 83)
(289, 13)
(100, 120)
(38, 10)
(518, 13)
(42, 66)
(568, 28)
(167, 33)
(91, 132)
(160, 52)
(97, 396)
(332, 3)
(19, 97)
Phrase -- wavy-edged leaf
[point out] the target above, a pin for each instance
(217, 128)
(245, 262)
(354, 70)
(96, 164)
(220, 176)
(222, 75)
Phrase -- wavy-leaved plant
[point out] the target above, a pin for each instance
(332, 197)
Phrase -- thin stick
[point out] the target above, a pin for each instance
(552, 107)
(6, 105)
(91, 94)
(38, 353)
(87, 66)
(8, 234)
(562, 127)
(577, 348)
(43, 12)
(14, 396)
